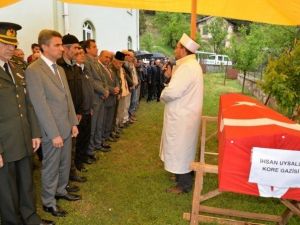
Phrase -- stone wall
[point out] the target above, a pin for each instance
(252, 87)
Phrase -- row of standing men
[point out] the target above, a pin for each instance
(70, 102)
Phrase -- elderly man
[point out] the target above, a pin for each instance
(20, 137)
(130, 69)
(51, 98)
(104, 60)
(183, 99)
(67, 62)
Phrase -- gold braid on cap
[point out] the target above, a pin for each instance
(6, 36)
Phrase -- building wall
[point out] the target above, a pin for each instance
(112, 25)
(33, 16)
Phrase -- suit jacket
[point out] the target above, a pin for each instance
(74, 79)
(52, 102)
(99, 81)
(18, 122)
(128, 74)
(112, 82)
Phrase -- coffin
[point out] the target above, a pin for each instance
(244, 123)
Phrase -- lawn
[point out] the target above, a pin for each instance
(127, 185)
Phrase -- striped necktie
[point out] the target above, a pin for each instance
(57, 75)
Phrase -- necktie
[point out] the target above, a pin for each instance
(109, 73)
(57, 75)
(7, 70)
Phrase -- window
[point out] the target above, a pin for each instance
(129, 43)
(220, 58)
(213, 57)
(88, 31)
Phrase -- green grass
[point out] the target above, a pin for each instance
(127, 185)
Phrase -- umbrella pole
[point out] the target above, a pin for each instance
(193, 19)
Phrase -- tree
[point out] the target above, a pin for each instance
(275, 39)
(245, 52)
(147, 42)
(172, 25)
(282, 81)
(142, 22)
(218, 30)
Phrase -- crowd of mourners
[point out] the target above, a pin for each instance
(73, 101)
(67, 102)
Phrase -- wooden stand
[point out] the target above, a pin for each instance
(200, 168)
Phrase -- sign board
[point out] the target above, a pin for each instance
(275, 167)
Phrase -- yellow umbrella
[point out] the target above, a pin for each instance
(281, 12)
(7, 2)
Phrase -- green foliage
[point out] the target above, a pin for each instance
(245, 51)
(218, 30)
(147, 42)
(253, 44)
(275, 39)
(171, 26)
(142, 22)
(282, 80)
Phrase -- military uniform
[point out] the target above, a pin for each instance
(19, 62)
(18, 126)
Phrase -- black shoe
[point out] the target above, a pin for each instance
(47, 222)
(72, 188)
(92, 158)
(55, 211)
(69, 197)
(80, 167)
(115, 135)
(105, 145)
(104, 149)
(77, 178)
(111, 139)
(99, 149)
(87, 160)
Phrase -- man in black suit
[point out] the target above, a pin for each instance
(67, 62)
(19, 138)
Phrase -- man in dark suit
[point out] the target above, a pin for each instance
(51, 98)
(84, 127)
(19, 138)
(150, 81)
(67, 62)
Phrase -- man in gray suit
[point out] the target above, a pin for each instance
(110, 103)
(101, 93)
(50, 96)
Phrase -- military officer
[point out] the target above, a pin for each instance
(18, 59)
(19, 138)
